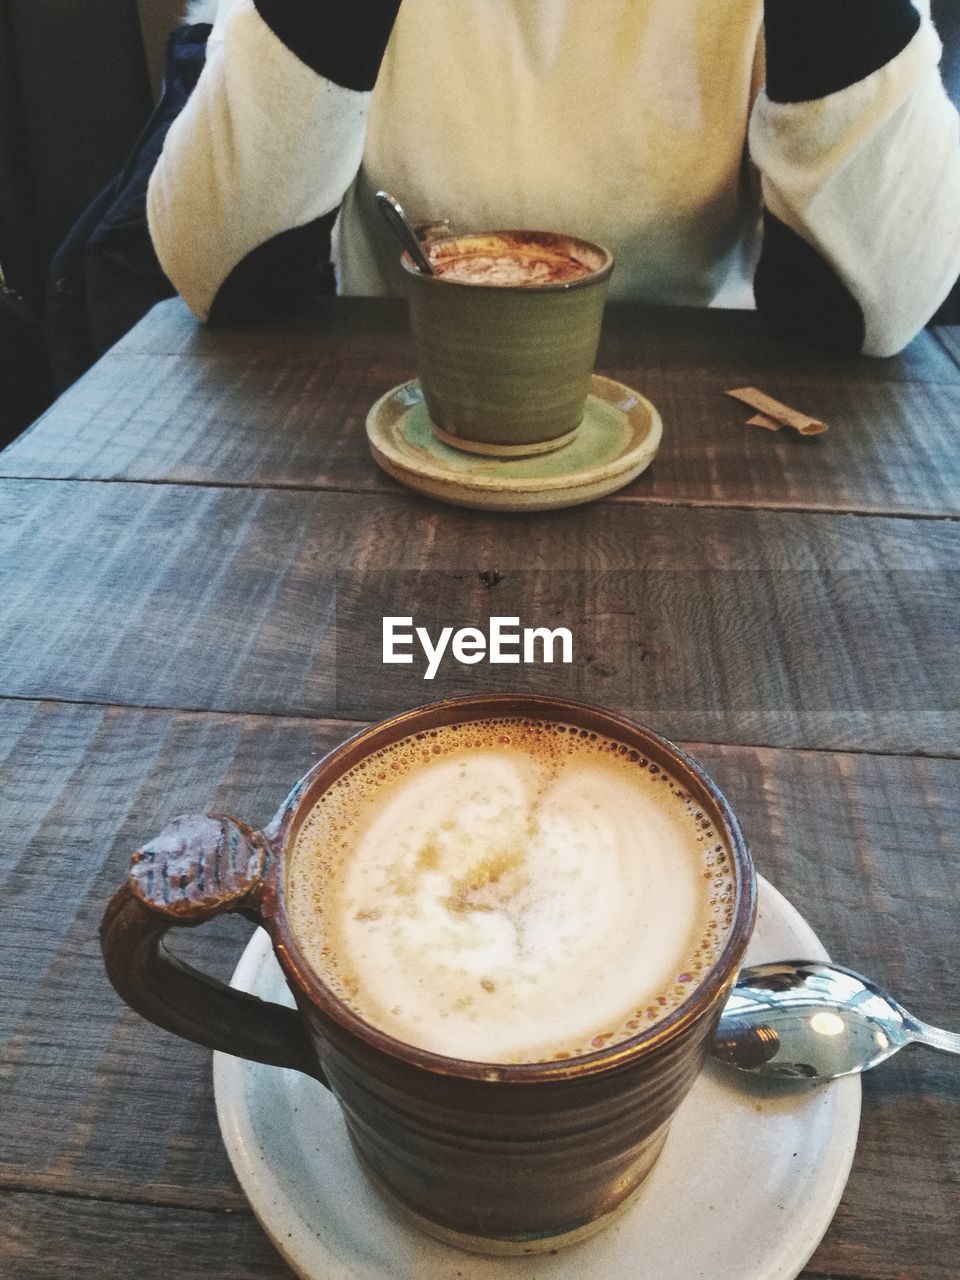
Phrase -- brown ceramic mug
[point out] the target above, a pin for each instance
(513, 1157)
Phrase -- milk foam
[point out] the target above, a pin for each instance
(516, 264)
(510, 891)
(504, 269)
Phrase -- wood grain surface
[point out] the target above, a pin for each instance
(174, 403)
(101, 1106)
(111, 1240)
(196, 553)
(237, 600)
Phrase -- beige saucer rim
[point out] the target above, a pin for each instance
(485, 450)
(423, 473)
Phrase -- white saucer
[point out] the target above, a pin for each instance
(617, 439)
(747, 1184)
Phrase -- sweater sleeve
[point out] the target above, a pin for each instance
(858, 149)
(252, 172)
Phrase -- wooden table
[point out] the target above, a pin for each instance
(196, 552)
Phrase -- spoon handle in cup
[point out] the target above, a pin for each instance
(393, 212)
(198, 867)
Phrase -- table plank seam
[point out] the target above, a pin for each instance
(636, 499)
(353, 726)
(164, 709)
(178, 1203)
(864, 512)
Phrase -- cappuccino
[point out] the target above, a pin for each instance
(510, 891)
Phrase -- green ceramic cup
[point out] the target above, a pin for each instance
(505, 368)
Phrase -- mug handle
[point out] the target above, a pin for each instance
(198, 867)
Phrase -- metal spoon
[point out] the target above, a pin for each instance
(801, 1019)
(392, 210)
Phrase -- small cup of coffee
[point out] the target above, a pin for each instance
(506, 331)
(510, 925)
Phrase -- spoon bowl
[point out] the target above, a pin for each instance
(803, 1019)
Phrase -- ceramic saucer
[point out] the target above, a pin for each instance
(747, 1184)
(617, 439)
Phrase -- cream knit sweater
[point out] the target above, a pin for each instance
(642, 124)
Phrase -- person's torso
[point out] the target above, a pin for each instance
(622, 121)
